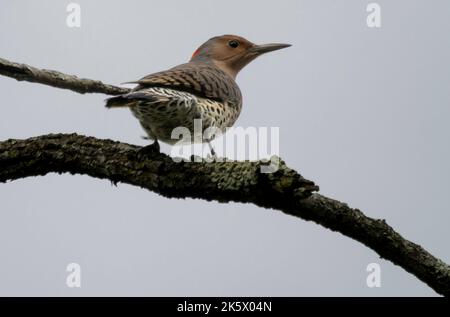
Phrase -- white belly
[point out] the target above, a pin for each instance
(174, 112)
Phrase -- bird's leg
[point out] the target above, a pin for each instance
(150, 149)
(213, 153)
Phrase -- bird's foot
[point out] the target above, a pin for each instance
(149, 149)
(210, 158)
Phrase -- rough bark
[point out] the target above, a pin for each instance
(285, 190)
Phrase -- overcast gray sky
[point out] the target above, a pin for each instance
(363, 112)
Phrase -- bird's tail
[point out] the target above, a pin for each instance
(118, 102)
(133, 98)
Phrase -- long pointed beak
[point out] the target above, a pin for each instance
(266, 48)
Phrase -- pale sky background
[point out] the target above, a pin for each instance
(362, 112)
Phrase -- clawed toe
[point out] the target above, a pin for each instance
(149, 149)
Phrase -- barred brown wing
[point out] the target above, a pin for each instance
(200, 79)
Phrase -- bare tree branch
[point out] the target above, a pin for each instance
(284, 190)
(57, 79)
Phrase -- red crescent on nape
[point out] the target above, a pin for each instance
(196, 52)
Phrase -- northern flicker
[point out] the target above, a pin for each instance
(204, 88)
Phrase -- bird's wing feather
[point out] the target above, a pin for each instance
(129, 100)
(202, 80)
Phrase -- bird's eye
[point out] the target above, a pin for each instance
(233, 43)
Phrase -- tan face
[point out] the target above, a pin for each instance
(223, 48)
(229, 47)
(231, 53)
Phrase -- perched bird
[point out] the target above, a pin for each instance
(204, 88)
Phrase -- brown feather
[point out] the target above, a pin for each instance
(204, 80)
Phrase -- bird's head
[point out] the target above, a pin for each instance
(231, 53)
